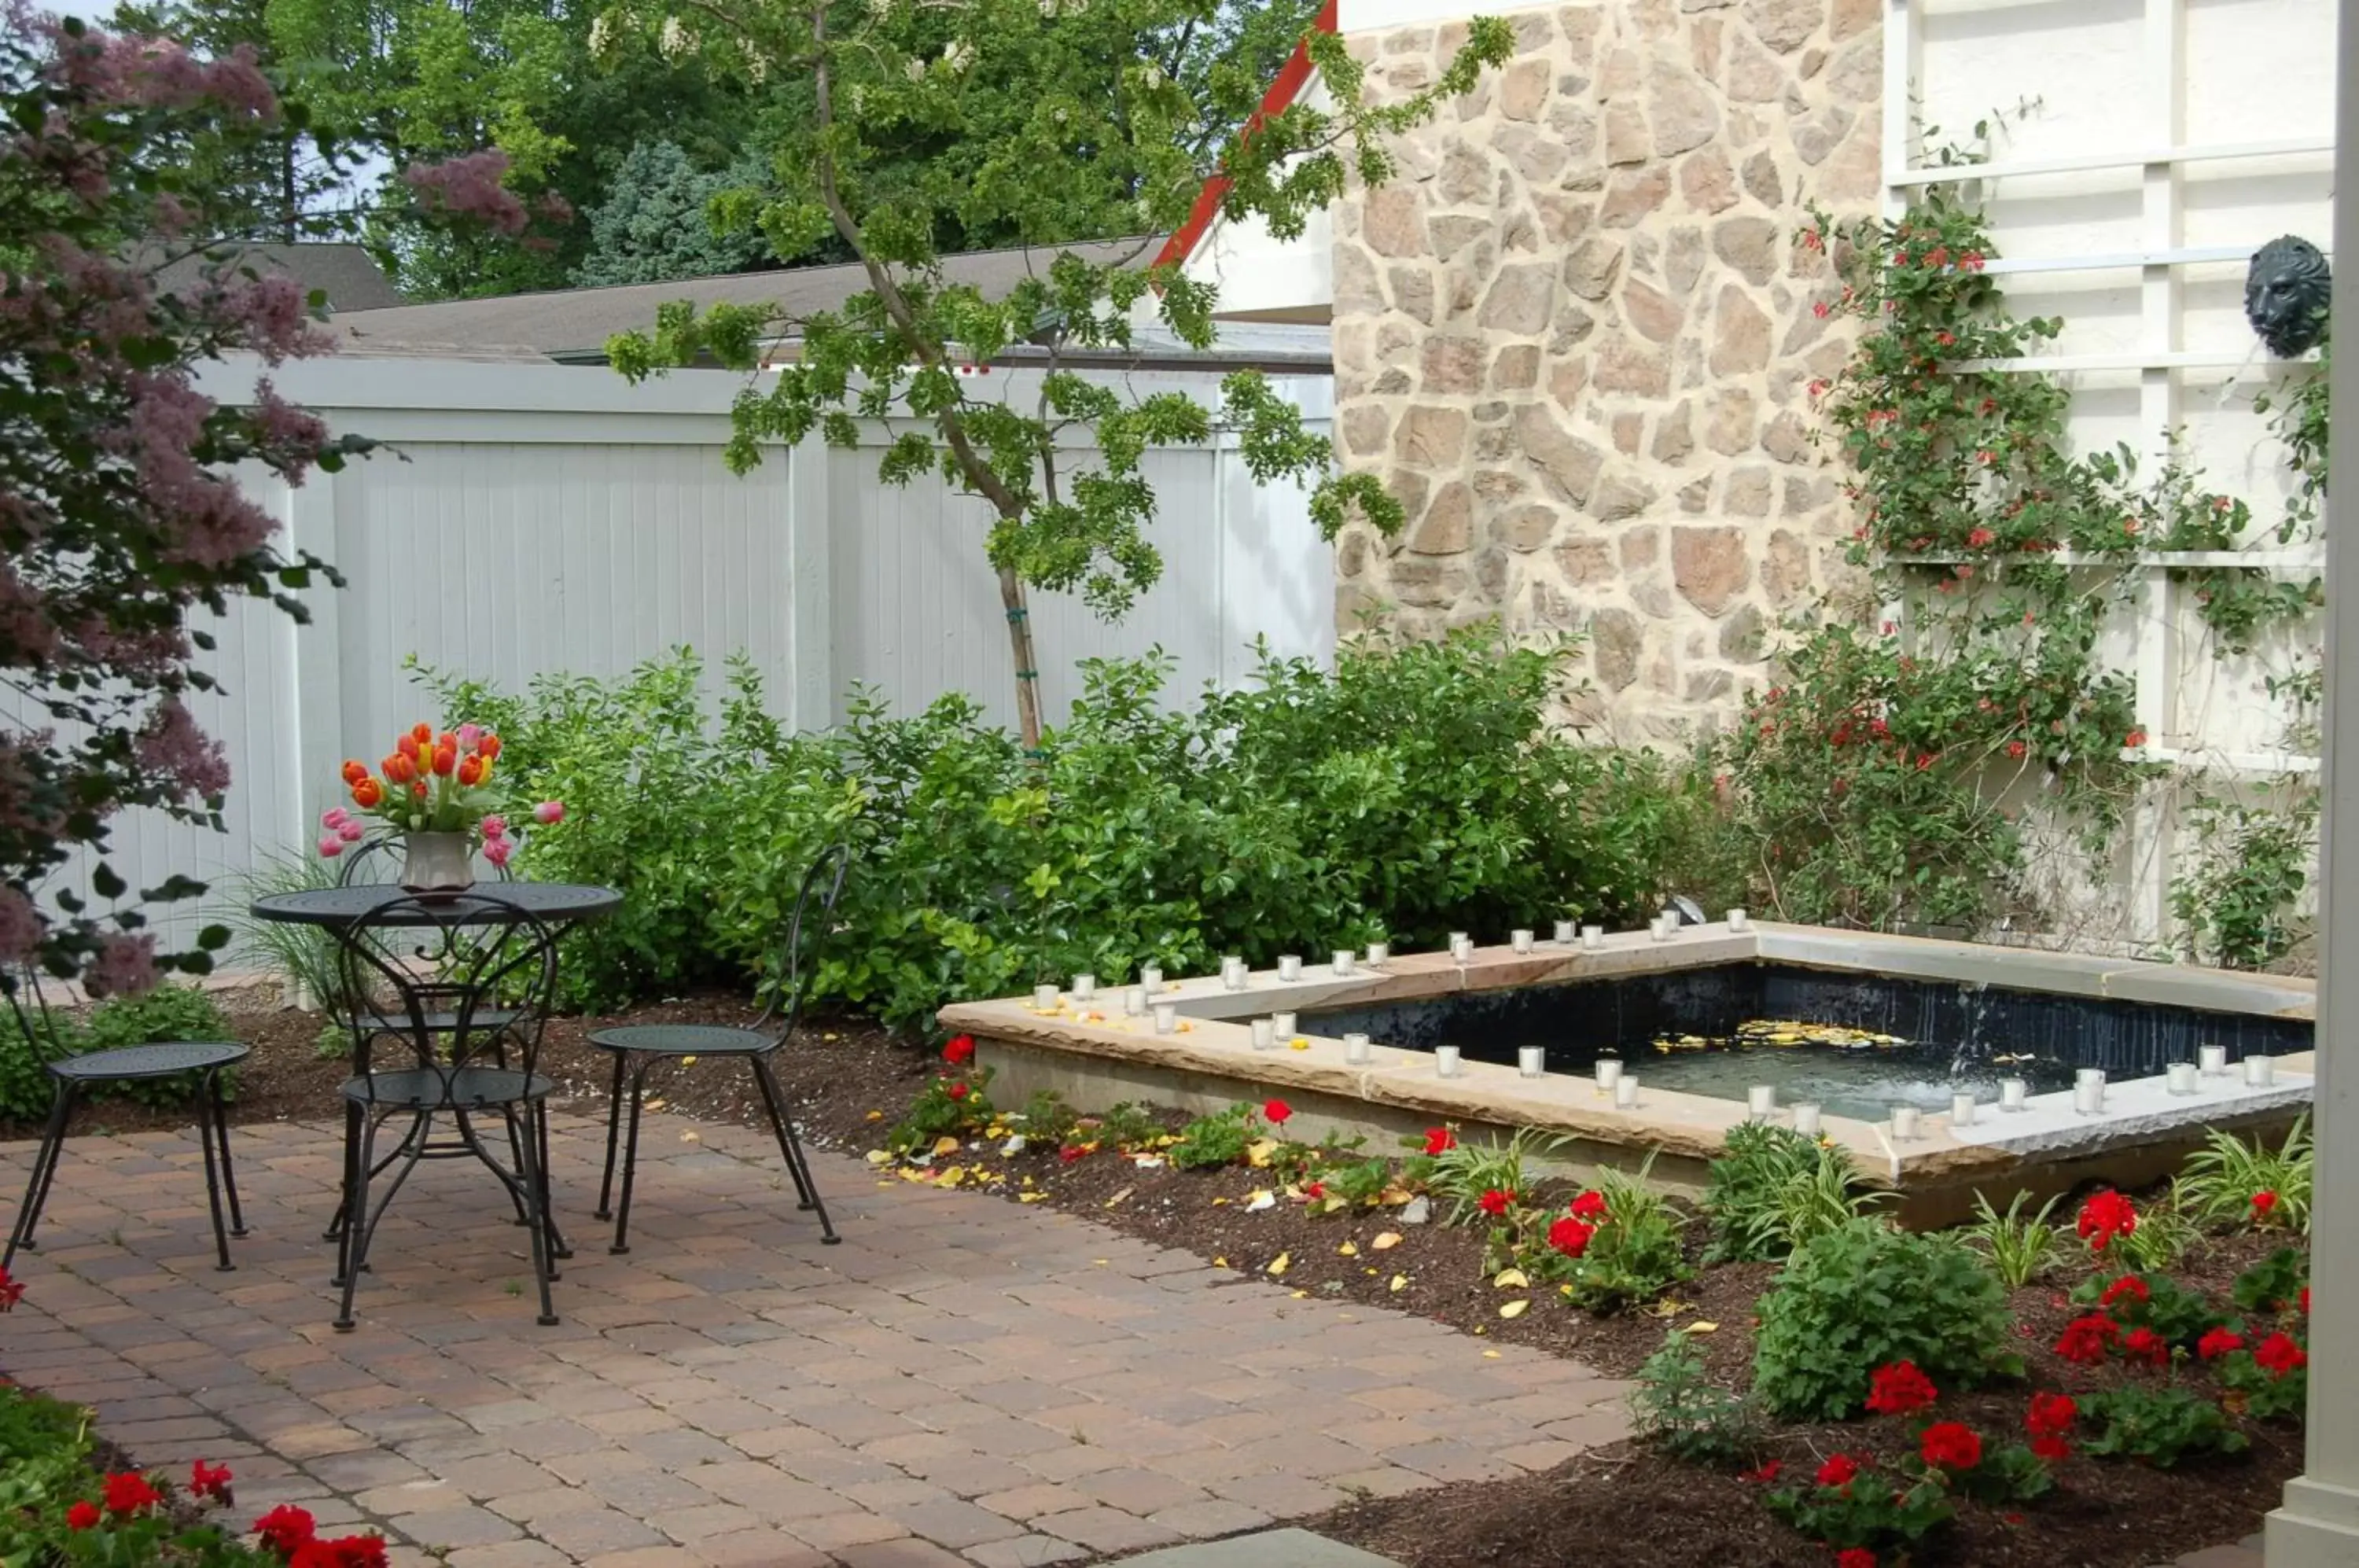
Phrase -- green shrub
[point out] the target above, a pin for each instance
(165, 1013)
(1214, 1140)
(2157, 1426)
(1774, 1190)
(1866, 1295)
(1678, 1407)
(2016, 1246)
(1412, 791)
(2226, 1175)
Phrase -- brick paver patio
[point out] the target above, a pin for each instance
(963, 1381)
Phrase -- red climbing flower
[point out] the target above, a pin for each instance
(959, 1050)
(2219, 1341)
(1898, 1389)
(2088, 1340)
(2278, 1355)
(1950, 1445)
(2108, 1215)
(1839, 1470)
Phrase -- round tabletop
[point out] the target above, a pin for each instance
(486, 903)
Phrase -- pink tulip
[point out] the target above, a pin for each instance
(469, 736)
(334, 818)
(330, 846)
(549, 811)
(497, 849)
(350, 832)
(494, 829)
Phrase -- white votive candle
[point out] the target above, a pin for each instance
(1609, 1072)
(1625, 1092)
(1447, 1061)
(1357, 1050)
(2213, 1059)
(1761, 1101)
(1166, 1016)
(1962, 1110)
(2089, 1077)
(1461, 947)
(1564, 933)
(1663, 927)
(1044, 998)
(1593, 937)
(1290, 967)
(1285, 1024)
(1531, 1060)
(1342, 960)
(1520, 940)
(1233, 972)
(1265, 1034)
(1151, 976)
(1805, 1119)
(2260, 1071)
(2184, 1077)
(1739, 921)
(2089, 1099)
(1380, 952)
(1133, 1001)
(1904, 1123)
(2013, 1094)
(1085, 988)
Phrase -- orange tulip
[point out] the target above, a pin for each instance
(367, 793)
(355, 770)
(422, 734)
(407, 747)
(400, 768)
(417, 790)
(448, 742)
(471, 771)
(489, 748)
(445, 759)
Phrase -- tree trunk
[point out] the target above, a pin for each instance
(1027, 672)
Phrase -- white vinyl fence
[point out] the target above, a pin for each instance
(531, 519)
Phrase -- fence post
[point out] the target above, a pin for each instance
(810, 588)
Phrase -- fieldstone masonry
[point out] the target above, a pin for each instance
(1576, 335)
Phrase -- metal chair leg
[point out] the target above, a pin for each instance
(630, 1163)
(342, 1220)
(606, 1210)
(804, 1198)
(795, 1165)
(229, 1173)
(531, 1181)
(45, 1166)
(558, 1248)
(209, 1100)
(355, 1250)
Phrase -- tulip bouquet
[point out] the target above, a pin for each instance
(431, 783)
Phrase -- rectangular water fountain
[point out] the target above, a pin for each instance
(1904, 1050)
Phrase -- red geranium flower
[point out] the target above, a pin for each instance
(1439, 1140)
(1274, 1112)
(2263, 1201)
(1839, 1470)
(2052, 1448)
(1950, 1445)
(2088, 1340)
(83, 1515)
(958, 1091)
(2104, 1216)
(2279, 1355)
(1316, 1190)
(129, 1492)
(1766, 1474)
(1072, 1152)
(2129, 1286)
(1571, 1236)
(2219, 1341)
(959, 1050)
(210, 1481)
(359, 1551)
(2146, 1348)
(1855, 1557)
(1494, 1203)
(1896, 1390)
(2051, 1415)
(286, 1528)
(1590, 1206)
(2305, 1300)
(11, 1291)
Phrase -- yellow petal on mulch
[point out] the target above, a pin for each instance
(1220, 1263)
(1349, 1249)
(946, 1146)
(655, 1105)
(952, 1176)
(1220, 1202)
(909, 1175)
(828, 1038)
(878, 1156)
(1489, 1355)
(1700, 1326)
(1385, 1241)
(1400, 1282)
(1280, 1264)
(1668, 1308)
(691, 1138)
(1371, 1273)
(1299, 1295)
(1393, 1197)
(1031, 1197)
(1258, 1151)
(876, 1115)
(1513, 1280)
(1118, 1197)
(687, 1061)
(1514, 1309)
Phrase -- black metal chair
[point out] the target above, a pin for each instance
(636, 1048)
(459, 986)
(71, 1077)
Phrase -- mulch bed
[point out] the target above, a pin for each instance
(848, 1081)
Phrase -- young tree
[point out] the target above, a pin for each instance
(1042, 139)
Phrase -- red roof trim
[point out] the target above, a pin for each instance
(1291, 78)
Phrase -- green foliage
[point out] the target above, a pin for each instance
(2237, 900)
(1774, 1190)
(1873, 1511)
(303, 956)
(2274, 1283)
(1214, 1140)
(2268, 1395)
(1048, 1120)
(2165, 1232)
(2223, 1178)
(2018, 1246)
(2158, 1425)
(653, 224)
(1124, 1126)
(1864, 1296)
(1633, 1257)
(952, 1105)
(1464, 1172)
(1676, 1406)
(2009, 1473)
(1359, 1183)
(1413, 791)
(2172, 1310)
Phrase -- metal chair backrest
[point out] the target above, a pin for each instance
(38, 1028)
(826, 878)
(471, 970)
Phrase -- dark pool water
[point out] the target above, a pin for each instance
(1945, 1037)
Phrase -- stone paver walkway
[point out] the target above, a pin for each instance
(963, 1381)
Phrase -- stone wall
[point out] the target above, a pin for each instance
(1576, 335)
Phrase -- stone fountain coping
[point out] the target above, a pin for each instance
(1214, 1037)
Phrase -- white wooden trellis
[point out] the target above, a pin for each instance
(2153, 143)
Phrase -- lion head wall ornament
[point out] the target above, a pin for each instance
(2288, 294)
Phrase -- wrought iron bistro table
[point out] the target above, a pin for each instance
(457, 985)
